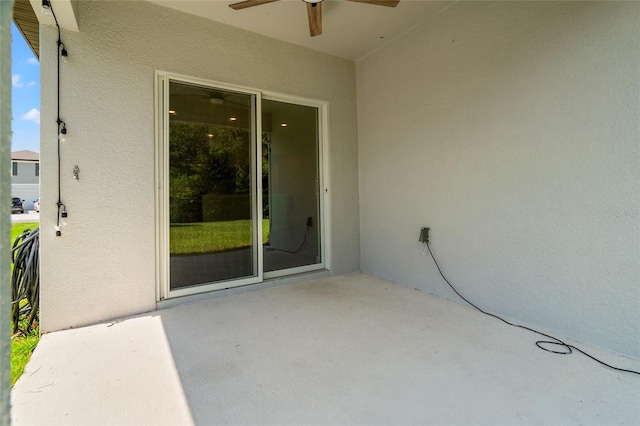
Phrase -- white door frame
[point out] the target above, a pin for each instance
(161, 93)
(321, 109)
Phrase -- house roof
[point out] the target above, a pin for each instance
(25, 19)
(25, 155)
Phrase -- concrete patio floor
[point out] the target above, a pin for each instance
(343, 350)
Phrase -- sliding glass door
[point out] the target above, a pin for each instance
(211, 185)
(291, 186)
(235, 208)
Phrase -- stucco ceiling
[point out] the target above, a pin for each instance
(349, 30)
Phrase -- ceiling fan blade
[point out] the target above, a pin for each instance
(249, 3)
(314, 12)
(388, 3)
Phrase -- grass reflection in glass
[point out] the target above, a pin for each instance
(212, 237)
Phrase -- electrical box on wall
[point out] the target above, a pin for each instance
(424, 235)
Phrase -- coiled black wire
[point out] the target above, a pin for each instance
(555, 342)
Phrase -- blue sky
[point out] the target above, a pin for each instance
(25, 100)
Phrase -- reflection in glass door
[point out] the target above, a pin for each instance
(239, 180)
(290, 186)
(211, 186)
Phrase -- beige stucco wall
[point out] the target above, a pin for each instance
(6, 8)
(512, 130)
(103, 266)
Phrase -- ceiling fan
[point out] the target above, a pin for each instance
(314, 10)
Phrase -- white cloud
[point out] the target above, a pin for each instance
(31, 83)
(15, 80)
(33, 61)
(33, 115)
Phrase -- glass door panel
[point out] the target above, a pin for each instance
(212, 225)
(290, 185)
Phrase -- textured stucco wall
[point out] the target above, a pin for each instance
(512, 130)
(103, 266)
(6, 13)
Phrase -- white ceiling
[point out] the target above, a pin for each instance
(349, 30)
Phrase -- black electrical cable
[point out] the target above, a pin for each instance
(556, 342)
(59, 122)
(306, 232)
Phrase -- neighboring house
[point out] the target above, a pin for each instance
(509, 128)
(25, 177)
